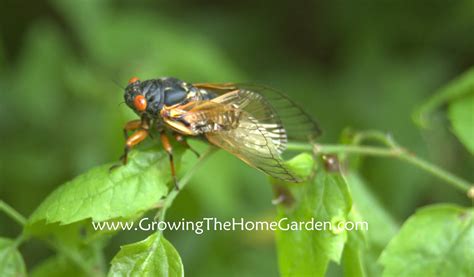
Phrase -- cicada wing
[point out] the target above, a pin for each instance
(257, 109)
(298, 124)
(252, 143)
(245, 125)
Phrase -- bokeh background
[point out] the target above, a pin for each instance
(360, 64)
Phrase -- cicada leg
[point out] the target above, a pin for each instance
(131, 126)
(169, 149)
(182, 140)
(133, 139)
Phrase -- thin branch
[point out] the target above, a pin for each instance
(73, 256)
(20, 239)
(392, 150)
(12, 213)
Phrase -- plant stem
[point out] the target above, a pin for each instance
(12, 213)
(20, 239)
(182, 183)
(437, 171)
(16, 216)
(393, 151)
(74, 256)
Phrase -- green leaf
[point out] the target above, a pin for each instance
(382, 227)
(461, 86)
(302, 165)
(436, 241)
(11, 262)
(325, 198)
(352, 261)
(461, 114)
(354, 250)
(103, 195)
(154, 256)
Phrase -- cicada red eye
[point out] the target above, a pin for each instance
(133, 80)
(140, 103)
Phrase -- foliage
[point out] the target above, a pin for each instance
(362, 65)
(11, 262)
(152, 256)
(435, 241)
(325, 198)
(459, 95)
(104, 193)
(462, 119)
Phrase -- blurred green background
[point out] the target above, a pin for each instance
(364, 64)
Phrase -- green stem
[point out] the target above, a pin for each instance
(12, 213)
(20, 239)
(341, 148)
(182, 183)
(395, 152)
(450, 178)
(74, 256)
(374, 135)
(367, 150)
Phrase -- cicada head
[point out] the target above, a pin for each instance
(141, 99)
(150, 96)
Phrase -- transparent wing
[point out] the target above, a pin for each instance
(251, 143)
(299, 125)
(245, 125)
(258, 110)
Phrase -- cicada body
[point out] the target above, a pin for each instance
(254, 123)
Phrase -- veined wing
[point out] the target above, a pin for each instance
(259, 111)
(244, 124)
(298, 124)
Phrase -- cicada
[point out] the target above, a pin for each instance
(253, 123)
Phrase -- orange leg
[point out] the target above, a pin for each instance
(131, 126)
(169, 149)
(181, 139)
(133, 140)
(136, 137)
